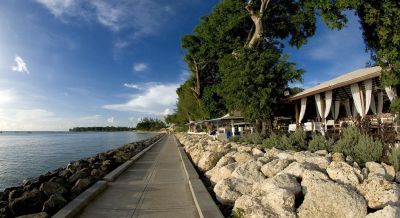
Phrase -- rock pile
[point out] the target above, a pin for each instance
(260, 182)
(45, 195)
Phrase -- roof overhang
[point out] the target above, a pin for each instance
(341, 81)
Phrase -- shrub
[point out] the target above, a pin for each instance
(234, 139)
(254, 138)
(394, 158)
(320, 142)
(273, 140)
(361, 147)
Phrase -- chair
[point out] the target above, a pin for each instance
(308, 126)
(292, 128)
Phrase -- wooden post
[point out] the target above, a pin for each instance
(297, 115)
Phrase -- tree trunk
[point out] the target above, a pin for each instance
(257, 34)
(257, 19)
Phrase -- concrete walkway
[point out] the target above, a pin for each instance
(154, 186)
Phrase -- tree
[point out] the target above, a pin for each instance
(150, 124)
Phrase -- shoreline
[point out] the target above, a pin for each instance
(51, 191)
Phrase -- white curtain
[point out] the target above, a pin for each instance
(319, 104)
(328, 103)
(368, 93)
(380, 103)
(355, 92)
(337, 108)
(302, 108)
(354, 109)
(347, 107)
(373, 104)
(391, 92)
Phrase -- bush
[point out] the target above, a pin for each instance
(254, 138)
(273, 140)
(295, 141)
(361, 147)
(394, 158)
(320, 142)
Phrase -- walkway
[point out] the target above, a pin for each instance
(154, 186)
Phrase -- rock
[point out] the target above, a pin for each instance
(375, 169)
(54, 203)
(390, 172)
(272, 168)
(53, 187)
(65, 173)
(325, 198)
(242, 157)
(27, 203)
(349, 159)
(246, 149)
(15, 194)
(229, 190)
(36, 215)
(281, 181)
(321, 161)
(321, 152)
(285, 155)
(281, 201)
(225, 160)
(208, 160)
(387, 212)
(338, 157)
(379, 192)
(78, 175)
(217, 174)
(257, 152)
(304, 171)
(398, 176)
(81, 185)
(248, 206)
(343, 173)
(248, 172)
(97, 173)
(4, 209)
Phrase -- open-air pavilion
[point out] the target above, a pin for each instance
(357, 94)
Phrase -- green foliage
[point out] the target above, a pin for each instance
(254, 138)
(394, 158)
(150, 124)
(361, 147)
(274, 140)
(237, 213)
(320, 142)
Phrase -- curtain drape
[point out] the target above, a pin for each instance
(355, 92)
(337, 108)
(391, 92)
(328, 103)
(302, 108)
(368, 93)
(373, 104)
(319, 104)
(380, 103)
(347, 107)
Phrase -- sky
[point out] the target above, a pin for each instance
(67, 63)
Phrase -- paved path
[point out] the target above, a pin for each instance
(154, 186)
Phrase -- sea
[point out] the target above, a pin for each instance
(29, 154)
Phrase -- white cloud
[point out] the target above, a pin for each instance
(139, 67)
(156, 99)
(110, 120)
(20, 65)
(143, 17)
(141, 86)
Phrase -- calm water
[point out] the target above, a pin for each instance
(24, 155)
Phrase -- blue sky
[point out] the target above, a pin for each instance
(66, 63)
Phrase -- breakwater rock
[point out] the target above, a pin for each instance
(45, 195)
(259, 182)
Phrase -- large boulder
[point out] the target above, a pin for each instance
(343, 173)
(248, 206)
(27, 203)
(230, 189)
(217, 174)
(54, 203)
(249, 172)
(208, 160)
(242, 157)
(375, 169)
(338, 157)
(387, 212)
(281, 202)
(304, 171)
(257, 152)
(53, 187)
(324, 198)
(379, 192)
(81, 185)
(270, 169)
(390, 172)
(225, 160)
(79, 175)
(281, 181)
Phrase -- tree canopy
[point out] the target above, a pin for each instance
(150, 124)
